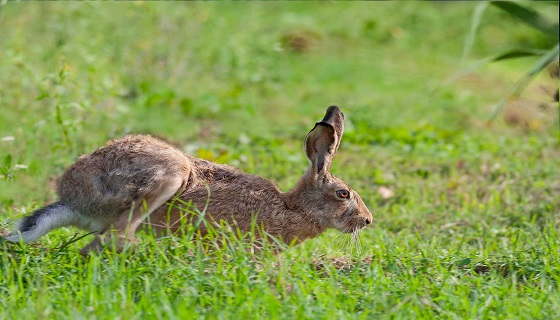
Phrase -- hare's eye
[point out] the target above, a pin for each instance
(342, 193)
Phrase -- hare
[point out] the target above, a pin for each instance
(116, 187)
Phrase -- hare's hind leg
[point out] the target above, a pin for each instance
(128, 221)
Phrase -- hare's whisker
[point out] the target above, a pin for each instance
(333, 239)
(358, 240)
(342, 241)
(355, 240)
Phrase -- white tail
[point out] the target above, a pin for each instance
(41, 222)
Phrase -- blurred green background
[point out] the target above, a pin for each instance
(242, 83)
(249, 75)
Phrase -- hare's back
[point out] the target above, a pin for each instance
(108, 180)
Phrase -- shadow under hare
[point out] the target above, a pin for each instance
(112, 190)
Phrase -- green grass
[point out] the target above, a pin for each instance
(470, 232)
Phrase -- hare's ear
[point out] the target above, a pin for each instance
(323, 140)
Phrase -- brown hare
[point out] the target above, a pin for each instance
(116, 187)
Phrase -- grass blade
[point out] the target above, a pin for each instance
(475, 23)
(529, 17)
(544, 61)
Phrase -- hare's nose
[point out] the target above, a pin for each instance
(368, 220)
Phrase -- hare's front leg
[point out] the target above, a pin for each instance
(122, 231)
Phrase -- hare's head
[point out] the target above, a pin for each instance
(327, 198)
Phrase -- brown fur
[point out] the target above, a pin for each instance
(118, 185)
(304, 212)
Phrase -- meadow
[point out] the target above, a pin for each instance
(466, 208)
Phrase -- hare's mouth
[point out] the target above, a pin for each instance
(350, 227)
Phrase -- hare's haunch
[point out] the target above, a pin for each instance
(120, 184)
